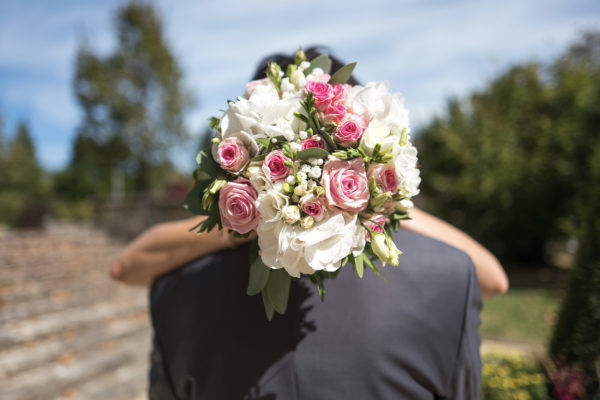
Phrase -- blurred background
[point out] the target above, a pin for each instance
(104, 104)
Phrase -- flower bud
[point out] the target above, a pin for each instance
(384, 248)
(291, 214)
(319, 191)
(307, 222)
(300, 57)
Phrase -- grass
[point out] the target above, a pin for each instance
(522, 314)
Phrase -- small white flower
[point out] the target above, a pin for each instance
(290, 179)
(304, 65)
(273, 140)
(300, 190)
(305, 168)
(302, 176)
(295, 146)
(310, 185)
(291, 214)
(303, 135)
(315, 172)
(312, 161)
(319, 161)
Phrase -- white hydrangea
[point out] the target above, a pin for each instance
(320, 247)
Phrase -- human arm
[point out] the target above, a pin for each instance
(490, 274)
(166, 246)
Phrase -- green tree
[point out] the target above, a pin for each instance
(518, 164)
(132, 98)
(577, 335)
(21, 179)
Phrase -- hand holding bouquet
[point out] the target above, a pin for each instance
(320, 169)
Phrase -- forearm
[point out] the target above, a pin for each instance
(490, 274)
(164, 247)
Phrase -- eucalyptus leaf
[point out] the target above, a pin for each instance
(269, 309)
(259, 275)
(323, 61)
(278, 289)
(343, 74)
(312, 152)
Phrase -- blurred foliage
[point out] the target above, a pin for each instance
(507, 163)
(577, 336)
(518, 164)
(133, 104)
(511, 377)
(22, 193)
(506, 318)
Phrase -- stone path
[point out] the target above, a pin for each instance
(66, 330)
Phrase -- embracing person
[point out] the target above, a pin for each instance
(412, 335)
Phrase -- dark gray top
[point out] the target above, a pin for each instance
(413, 336)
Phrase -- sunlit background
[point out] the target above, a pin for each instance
(504, 99)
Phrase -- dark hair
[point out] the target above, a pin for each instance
(311, 52)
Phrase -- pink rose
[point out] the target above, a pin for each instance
(361, 120)
(322, 92)
(237, 205)
(313, 206)
(232, 154)
(373, 222)
(274, 166)
(340, 92)
(313, 141)
(385, 176)
(348, 134)
(333, 113)
(345, 184)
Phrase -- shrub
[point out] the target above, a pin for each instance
(511, 377)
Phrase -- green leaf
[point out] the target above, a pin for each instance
(373, 267)
(208, 168)
(343, 74)
(264, 142)
(259, 157)
(258, 278)
(193, 200)
(269, 309)
(323, 62)
(320, 286)
(360, 267)
(312, 152)
(278, 289)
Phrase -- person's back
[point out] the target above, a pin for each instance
(413, 336)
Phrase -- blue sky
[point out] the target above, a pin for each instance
(428, 50)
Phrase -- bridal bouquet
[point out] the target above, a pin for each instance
(320, 169)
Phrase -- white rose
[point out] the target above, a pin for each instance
(270, 204)
(378, 132)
